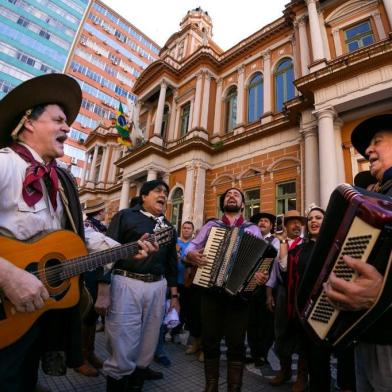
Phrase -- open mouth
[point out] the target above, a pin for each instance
(61, 139)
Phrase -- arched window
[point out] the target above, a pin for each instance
(176, 209)
(165, 120)
(255, 98)
(284, 87)
(231, 109)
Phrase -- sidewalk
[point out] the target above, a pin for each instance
(184, 375)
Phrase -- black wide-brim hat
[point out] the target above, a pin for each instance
(364, 132)
(256, 217)
(48, 89)
(364, 178)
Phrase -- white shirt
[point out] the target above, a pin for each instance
(17, 219)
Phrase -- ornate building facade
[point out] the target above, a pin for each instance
(272, 115)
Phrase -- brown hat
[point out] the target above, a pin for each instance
(94, 205)
(43, 90)
(364, 132)
(294, 214)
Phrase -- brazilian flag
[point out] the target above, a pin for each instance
(122, 128)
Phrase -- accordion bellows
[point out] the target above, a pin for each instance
(233, 257)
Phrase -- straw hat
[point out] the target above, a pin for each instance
(94, 205)
(43, 90)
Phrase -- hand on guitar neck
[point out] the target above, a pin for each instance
(23, 289)
(146, 247)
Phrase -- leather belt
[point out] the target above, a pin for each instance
(133, 275)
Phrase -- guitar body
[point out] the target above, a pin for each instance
(44, 257)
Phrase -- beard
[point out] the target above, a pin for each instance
(232, 208)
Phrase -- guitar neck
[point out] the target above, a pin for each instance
(90, 262)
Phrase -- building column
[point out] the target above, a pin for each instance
(388, 9)
(339, 150)
(198, 210)
(152, 174)
(197, 103)
(103, 168)
(303, 46)
(160, 109)
(177, 130)
(267, 82)
(93, 163)
(218, 107)
(311, 172)
(315, 31)
(188, 193)
(173, 115)
(379, 25)
(206, 100)
(124, 197)
(240, 95)
(336, 40)
(327, 152)
(112, 171)
(85, 165)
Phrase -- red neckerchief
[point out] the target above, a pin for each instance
(32, 188)
(238, 222)
(295, 243)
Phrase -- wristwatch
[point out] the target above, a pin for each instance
(283, 241)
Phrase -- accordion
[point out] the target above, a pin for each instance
(357, 223)
(233, 257)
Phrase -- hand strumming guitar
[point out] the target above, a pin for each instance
(22, 288)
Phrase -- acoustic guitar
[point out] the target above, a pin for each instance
(57, 259)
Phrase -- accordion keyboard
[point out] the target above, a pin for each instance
(359, 242)
(203, 276)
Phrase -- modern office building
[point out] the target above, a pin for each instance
(108, 55)
(85, 39)
(36, 37)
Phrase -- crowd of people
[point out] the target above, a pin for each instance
(134, 294)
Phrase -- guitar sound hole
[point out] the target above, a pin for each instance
(53, 272)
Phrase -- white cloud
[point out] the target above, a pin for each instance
(232, 20)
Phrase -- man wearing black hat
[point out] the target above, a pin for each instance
(260, 331)
(223, 316)
(35, 197)
(373, 354)
(138, 292)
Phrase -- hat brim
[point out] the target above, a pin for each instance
(364, 132)
(256, 217)
(299, 217)
(48, 89)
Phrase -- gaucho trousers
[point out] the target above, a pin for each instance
(132, 325)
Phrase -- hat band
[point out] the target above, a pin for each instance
(16, 130)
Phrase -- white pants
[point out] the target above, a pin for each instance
(132, 324)
(373, 367)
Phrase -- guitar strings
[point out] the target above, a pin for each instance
(56, 271)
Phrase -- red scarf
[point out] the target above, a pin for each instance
(292, 275)
(32, 188)
(238, 222)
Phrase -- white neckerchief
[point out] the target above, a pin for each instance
(160, 222)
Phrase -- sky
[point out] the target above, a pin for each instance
(232, 20)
